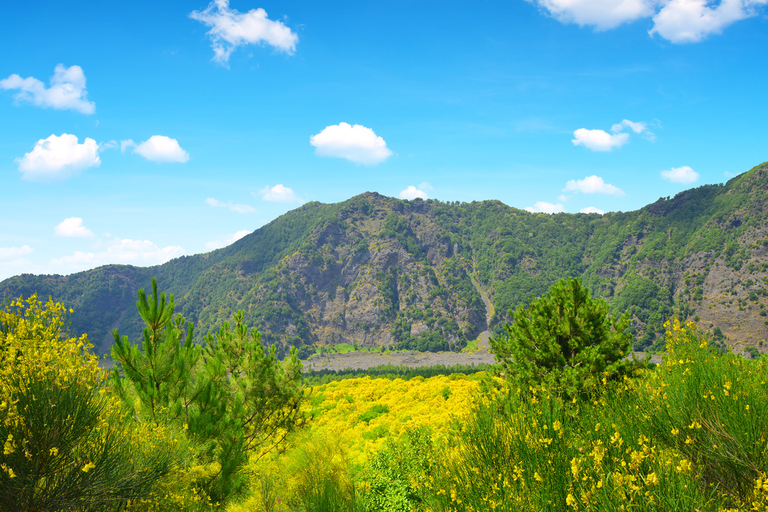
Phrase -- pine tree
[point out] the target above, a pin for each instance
(566, 339)
(232, 397)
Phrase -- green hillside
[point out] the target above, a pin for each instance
(431, 275)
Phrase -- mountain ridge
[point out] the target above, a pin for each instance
(430, 275)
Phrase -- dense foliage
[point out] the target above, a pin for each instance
(565, 339)
(689, 434)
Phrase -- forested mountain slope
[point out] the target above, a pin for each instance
(430, 275)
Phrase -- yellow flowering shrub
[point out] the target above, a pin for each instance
(351, 421)
(65, 445)
(688, 435)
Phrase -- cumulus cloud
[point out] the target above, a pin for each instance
(690, 21)
(239, 208)
(72, 227)
(544, 207)
(227, 240)
(684, 175)
(601, 14)
(231, 28)
(412, 192)
(279, 194)
(591, 209)
(58, 158)
(678, 21)
(592, 185)
(158, 148)
(356, 143)
(117, 250)
(599, 140)
(67, 90)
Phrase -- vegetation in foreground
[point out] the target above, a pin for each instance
(689, 434)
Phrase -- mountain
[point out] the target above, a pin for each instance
(430, 275)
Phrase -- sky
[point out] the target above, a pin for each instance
(136, 132)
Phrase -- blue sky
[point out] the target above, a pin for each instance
(135, 132)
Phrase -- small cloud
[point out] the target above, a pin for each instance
(10, 253)
(356, 143)
(601, 14)
(125, 144)
(592, 209)
(159, 148)
(118, 250)
(592, 185)
(544, 207)
(239, 208)
(228, 240)
(691, 21)
(231, 28)
(684, 175)
(599, 140)
(412, 192)
(110, 144)
(279, 194)
(563, 198)
(58, 158)
(72, 228)
(67, 90)
(13, 261)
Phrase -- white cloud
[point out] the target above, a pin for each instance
(11, 253)
(684, 175)
(57, 158)
(110, 144)
(591, 209)
(125, 144)
(117, 250)
(239, 208)
(231, 28)
(159, 148)
(279, 194)
(356, 143)
(592, 185)
(678, 21)
(602, 14)
(544, 207)
(626, 123)
(599, 140)
(13, 261)
(72, 227)
(228, 240)
(690, 21)
(412, 192)
(67, 90)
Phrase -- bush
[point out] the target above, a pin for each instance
(565, 338)
(65, 444)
